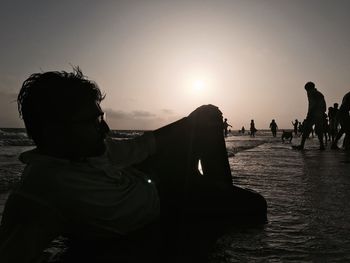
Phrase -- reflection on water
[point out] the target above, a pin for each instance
(308, 211)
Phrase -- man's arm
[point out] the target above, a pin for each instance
(128, 152)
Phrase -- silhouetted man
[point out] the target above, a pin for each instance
(252, 128)
(273, 127)
(315, 115)
(225, 127)
(295, 126)
(344, 120)
(333, 122)
(80, 183)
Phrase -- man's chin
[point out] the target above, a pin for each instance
(100, 150)
(97, 151)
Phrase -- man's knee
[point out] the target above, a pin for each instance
(206, 115)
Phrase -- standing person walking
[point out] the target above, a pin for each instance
(252, 128)
(315, 115)
(273, 127)
(343, 118)
(295, 126)
(225, 126)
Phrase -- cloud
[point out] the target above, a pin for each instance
(118, 115)
(122, 115)
(167, 111)
(139, 119)
(143, 114)
(136, 119)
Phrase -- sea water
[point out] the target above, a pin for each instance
(308, 213)
(308, 196)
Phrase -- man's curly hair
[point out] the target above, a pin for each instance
(53, 97)
(309, 85)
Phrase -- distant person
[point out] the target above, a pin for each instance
(287, 136)
(344, 120)
(225, 127)
(333, 121)
(82, 184)
(336, 122)
(243, 130)
(253, 130)
(326, 129)
(313, 130)
(273, 127)
(295, 126)
(315, 115)
(300, 128)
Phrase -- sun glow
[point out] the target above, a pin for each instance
(198, 85)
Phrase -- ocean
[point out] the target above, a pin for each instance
(307, 194)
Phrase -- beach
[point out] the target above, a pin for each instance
(307, 194)
(308, 213)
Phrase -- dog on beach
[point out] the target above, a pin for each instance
(287, 135)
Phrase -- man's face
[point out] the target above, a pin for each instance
(88, 130)
(80, 135)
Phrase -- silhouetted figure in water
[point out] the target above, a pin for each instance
(331, 119)
(326, 129)
(300, 128)
(315, 115)
(253, 130)
(287, 136)
(243, 130)
(295, 126)
(104, 195)
(344, 120)
(336, 122)
(313, 131)
(273, 127)
(333, 122)
(225, 126)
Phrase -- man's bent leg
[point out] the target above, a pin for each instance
(180, 146)
(307, 128)
(184, 192)
(320, 131)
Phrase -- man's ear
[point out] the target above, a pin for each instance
(54, 139)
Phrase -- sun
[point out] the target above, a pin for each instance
(198, 85)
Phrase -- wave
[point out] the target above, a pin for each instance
(19, 137)
(125, 134)
(14, 137)
(238, 143)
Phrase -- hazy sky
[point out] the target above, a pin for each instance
(158, 60)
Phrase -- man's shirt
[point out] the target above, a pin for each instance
(105, 192)
(317, 104)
